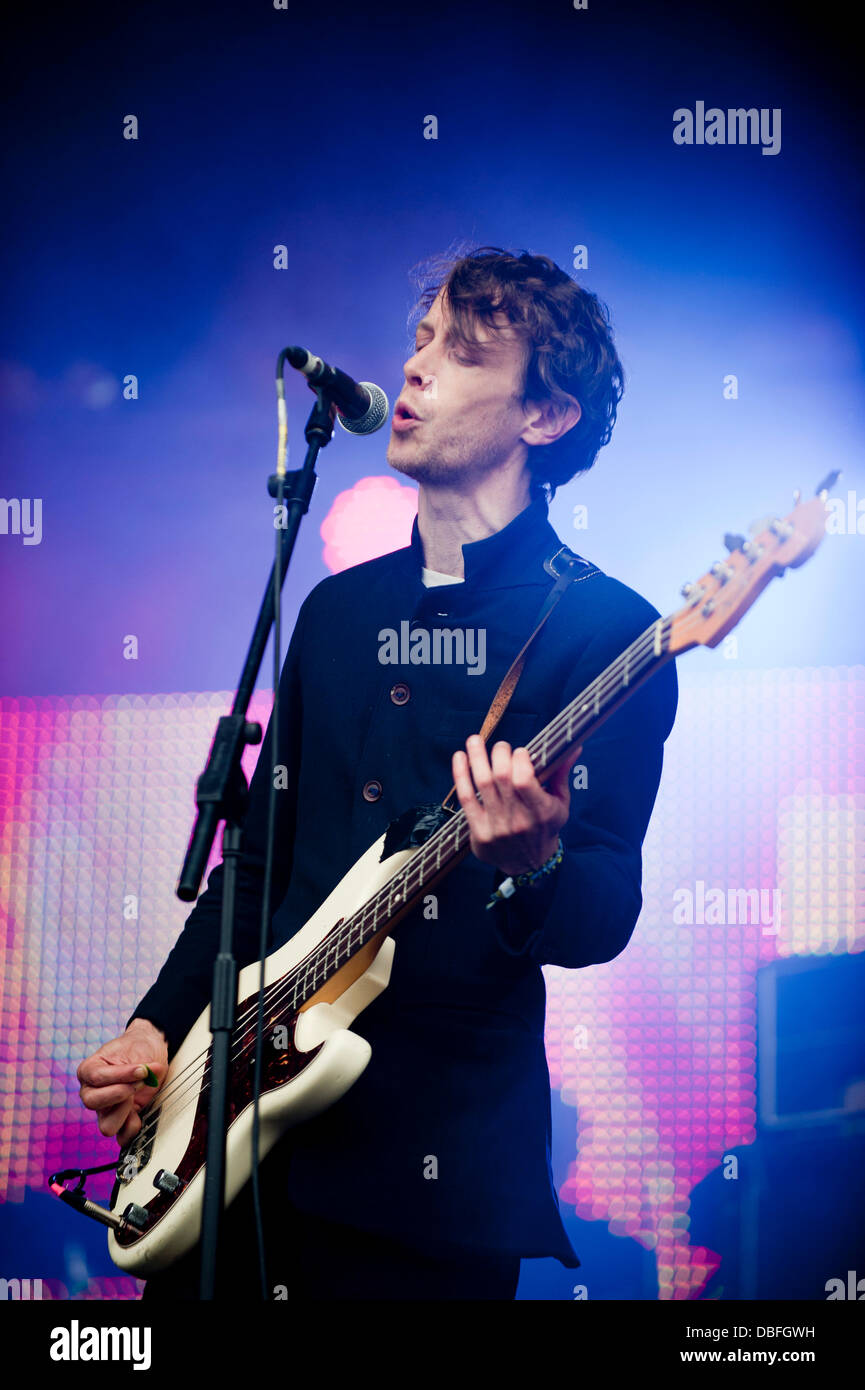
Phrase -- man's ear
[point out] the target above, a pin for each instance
(547, 421)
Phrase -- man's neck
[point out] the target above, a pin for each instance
(449, 518)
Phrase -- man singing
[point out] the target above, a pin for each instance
(431, 1177)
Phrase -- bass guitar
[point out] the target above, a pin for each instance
(319, 982)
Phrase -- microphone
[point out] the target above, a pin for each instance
(361, 406)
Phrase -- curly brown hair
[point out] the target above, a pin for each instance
(566, 330)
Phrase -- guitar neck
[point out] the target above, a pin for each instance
(443, 851)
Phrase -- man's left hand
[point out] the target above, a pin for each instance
(516, 825)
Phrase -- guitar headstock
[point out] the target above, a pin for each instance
(726, 591)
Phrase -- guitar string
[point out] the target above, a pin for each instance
(632, 661)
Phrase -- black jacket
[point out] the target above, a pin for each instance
(458, 1071)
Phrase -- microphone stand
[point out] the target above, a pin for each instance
(221, 794)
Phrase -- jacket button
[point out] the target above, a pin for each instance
(372, 790)
(400, 693)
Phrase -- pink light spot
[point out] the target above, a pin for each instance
(370, 519)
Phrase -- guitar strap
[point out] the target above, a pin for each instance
(566, 568)
(416, 825)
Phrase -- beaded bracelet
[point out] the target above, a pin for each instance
(510, 885)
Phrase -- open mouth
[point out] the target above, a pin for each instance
(404, 418)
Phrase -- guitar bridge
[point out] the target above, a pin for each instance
(136, 1155)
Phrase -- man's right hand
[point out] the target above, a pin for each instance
(113, 1080)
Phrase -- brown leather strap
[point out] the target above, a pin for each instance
(566, 567)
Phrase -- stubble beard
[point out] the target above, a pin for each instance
(449, 464)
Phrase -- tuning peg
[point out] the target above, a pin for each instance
(692, 592)
(828, 482)
(733, 542)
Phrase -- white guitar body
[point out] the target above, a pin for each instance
(342, 1057)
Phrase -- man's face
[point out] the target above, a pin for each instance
(467, 412)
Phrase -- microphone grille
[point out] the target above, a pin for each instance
(374, 418)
